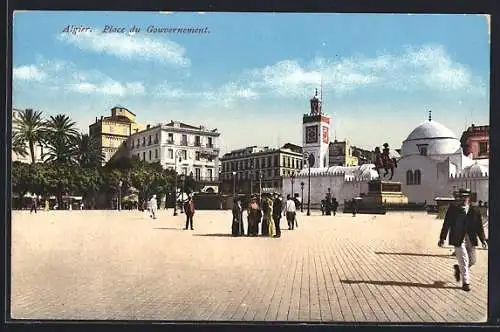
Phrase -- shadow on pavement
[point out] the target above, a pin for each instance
(413, 254)
(169, 228)
(230, 235)
(436, 284)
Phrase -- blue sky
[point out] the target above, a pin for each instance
(251, 76)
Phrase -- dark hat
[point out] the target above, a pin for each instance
(463, 193)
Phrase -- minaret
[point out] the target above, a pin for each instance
(316, 133)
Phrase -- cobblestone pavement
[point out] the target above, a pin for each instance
(123, 265)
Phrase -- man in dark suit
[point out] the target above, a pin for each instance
(277, 210)
(463, 222)
(189, 211)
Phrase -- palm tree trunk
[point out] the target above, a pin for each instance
(32, 151)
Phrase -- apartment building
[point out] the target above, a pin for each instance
(187, 149)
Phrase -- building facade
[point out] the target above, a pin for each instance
(253, 168)
(184, 148)
(475, 142)
(341, 154)
(112, 131)
(316, 133)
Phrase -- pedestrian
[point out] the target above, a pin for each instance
(298, 203)
(322, 207)
(354, 206)
(189, 211)
(335, 206)
(254, 215)
(237, 225)
(33, 204)
(153, 207)
(277, 210)
(47, 205)
(290, 210)
(268, 215)
(464, 225)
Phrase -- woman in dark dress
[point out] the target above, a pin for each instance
(237, 226)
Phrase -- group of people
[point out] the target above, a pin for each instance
(329, 205)
(267, 212)
(188, 207)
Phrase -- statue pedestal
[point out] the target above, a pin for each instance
(384, 193)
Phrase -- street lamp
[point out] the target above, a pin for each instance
(120, 195)
(234, 184)
(310, 163)
(177, 156)
(293, 180)
(302, 197)
(260, 186)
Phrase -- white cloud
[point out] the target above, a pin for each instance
(426, 67)
(108, 88)
(225, 95)
(129, 47)
(28, 73)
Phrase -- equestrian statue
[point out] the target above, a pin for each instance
(383, 160)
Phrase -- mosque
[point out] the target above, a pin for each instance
(431, 164)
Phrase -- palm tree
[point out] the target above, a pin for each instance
(86, 151)
(28, 127)
(60, 135)
(19, 147)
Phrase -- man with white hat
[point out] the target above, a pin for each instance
(464, 224)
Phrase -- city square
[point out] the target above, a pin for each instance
(123, 265)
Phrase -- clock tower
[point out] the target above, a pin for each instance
(316, 133)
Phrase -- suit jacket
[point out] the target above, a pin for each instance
(189, 208)
(237, 213)
(277, 208)
(457, 223)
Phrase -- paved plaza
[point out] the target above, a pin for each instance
(115, 265)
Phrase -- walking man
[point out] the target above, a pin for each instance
(290, 212)
(463, 222)
(33, 204)
(189, 211)
(298, 202)
(277, 210)
(153, 207)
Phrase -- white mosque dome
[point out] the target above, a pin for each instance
(438, 140)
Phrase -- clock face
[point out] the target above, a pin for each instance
(326, 138)
(312, 134)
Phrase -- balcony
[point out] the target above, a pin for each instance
(210, 145)
(197, 143)
(184, 143)
(170, 141)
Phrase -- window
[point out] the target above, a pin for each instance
(197, 155)
(156, 138)
(422, 148)
(269, 161)
(170, 138)
(184, 140)
(150, 140)
(184, 170)
(133, 144)
(210, 174)
(417, 177)
(197, 141)
(409, 177)
(144, 141)
(197, 172)
(144, 155)
(138, 142)
(210, 143)
(156, 153)
(276, 172)
(276, 161)
(483, 148)
(170, 154)
(184, 154)
(149, 154)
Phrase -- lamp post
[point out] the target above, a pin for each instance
(293, 180)
(234, 184)
(251, 177)
(260, 186)
(177, 156)
(310, 163)
(120, 195)
(302, 196)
